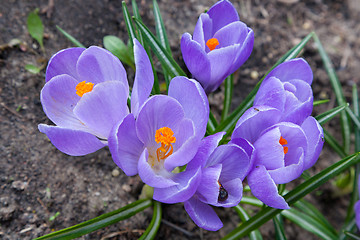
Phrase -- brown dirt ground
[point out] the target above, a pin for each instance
(37, 180)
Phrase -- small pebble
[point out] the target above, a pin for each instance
(115, 172)
(254, 75)
(19, 185)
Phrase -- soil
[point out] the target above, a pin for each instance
(37, 181)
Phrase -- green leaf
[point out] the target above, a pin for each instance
(128, 23)
(137, 15)
(71, 38)
(52, 218)
(329, 139)
(32, 68)
(36, 27)
(229, 83)
(313, 212)
(162, 36)
(279, 228)
(244, 216)
(160, 28)
(326, 116)
(353, 117)
(319, 102)
(152, 229)
(156, 86)
(293, 196)
(99, 222)
(308, 223)
(251, 201)
(117, 47)
(338, 93)
(212, 123)
(166, 60)
(229, 123)
(352, 235)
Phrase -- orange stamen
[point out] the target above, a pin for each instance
(84, 87)
(212, 43)
(283, 142)
(164, 136)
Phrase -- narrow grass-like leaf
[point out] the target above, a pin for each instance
(353, 117)
(117, 47)
(251, 201)
(166, 60)
(71, 38)
(352, 235)
(308, 223)
(355, 193)
(128, 23)
(162, 36)
(99, 222)
(329, 139)
(244, 216)
(313, 212)
(229, 123)
(136, 13)
(348, 227)
(35, 27)
(279, 228)
(293, 196)
(160, 28)
(152, 229)
(212, 123)
(229, 82)
(32, 68)
(338, 93)
(326, 116)
(319, 102)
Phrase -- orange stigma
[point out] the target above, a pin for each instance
(164, 136)
(283, 142)
(84, 87)
(212, 43)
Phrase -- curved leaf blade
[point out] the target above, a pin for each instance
(99, 222)
(152, 229)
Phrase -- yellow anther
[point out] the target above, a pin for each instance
(84, 87)
(164, 136)
(212, 43)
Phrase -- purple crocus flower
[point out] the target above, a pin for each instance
(222, 170)
(283, 150)
(85, 95)
(287, 88)
(163, 134)
(219, 46)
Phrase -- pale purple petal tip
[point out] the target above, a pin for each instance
(63, 62)
(194, 102)
(71, 142)
(264, 188)
(144, 78)
(202, 214)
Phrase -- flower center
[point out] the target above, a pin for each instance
(212, 43)
(84, 87)
(283, 142)
(164, 136)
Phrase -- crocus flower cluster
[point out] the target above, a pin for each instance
(221, 43)
(86, 95)
(286, 139)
